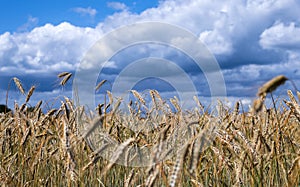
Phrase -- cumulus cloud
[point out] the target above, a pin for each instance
(281, 36)
(85, 11)
(45, 49)
(217, 43)
(225, 27)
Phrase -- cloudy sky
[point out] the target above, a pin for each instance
(251, 40)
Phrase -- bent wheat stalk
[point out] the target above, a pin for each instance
(271, 85)
(268, 87)
(100, 84)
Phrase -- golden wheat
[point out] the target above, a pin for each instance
(138, 96)
(57, 148)
(66, 77)
(30, 92)
(19, 85)
(271, 85)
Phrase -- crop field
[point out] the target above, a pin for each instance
(67, 146)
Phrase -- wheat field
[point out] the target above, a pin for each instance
(61, 147)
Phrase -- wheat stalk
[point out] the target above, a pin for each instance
(100, 84)
(129, 178)
(118, 152)
(71, 164)
(96, 157)
(179, 164)
(152, 176)
(95, 123)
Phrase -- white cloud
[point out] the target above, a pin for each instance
(110, 64)
(217, 43)
(45, 49)
(85, 11)
(281, 36)
(221, 25)
(117, 6)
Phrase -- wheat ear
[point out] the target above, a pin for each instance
(138, 96)
(19, 85)
(293, 174)
(63, 74)
(65, 79)
(271, 85)
(30, 92)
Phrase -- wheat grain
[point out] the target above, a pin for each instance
(242, 154)
(199, 104)
(63, 74)
(30, 92)
(152, 94)
(157, 95)
(175, 103)
(258, 104)
(65, 79)
(138, 96)
(296, 106)
(19, 85)
(293, 174)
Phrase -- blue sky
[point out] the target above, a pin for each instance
(252, 41)
(18, 16)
